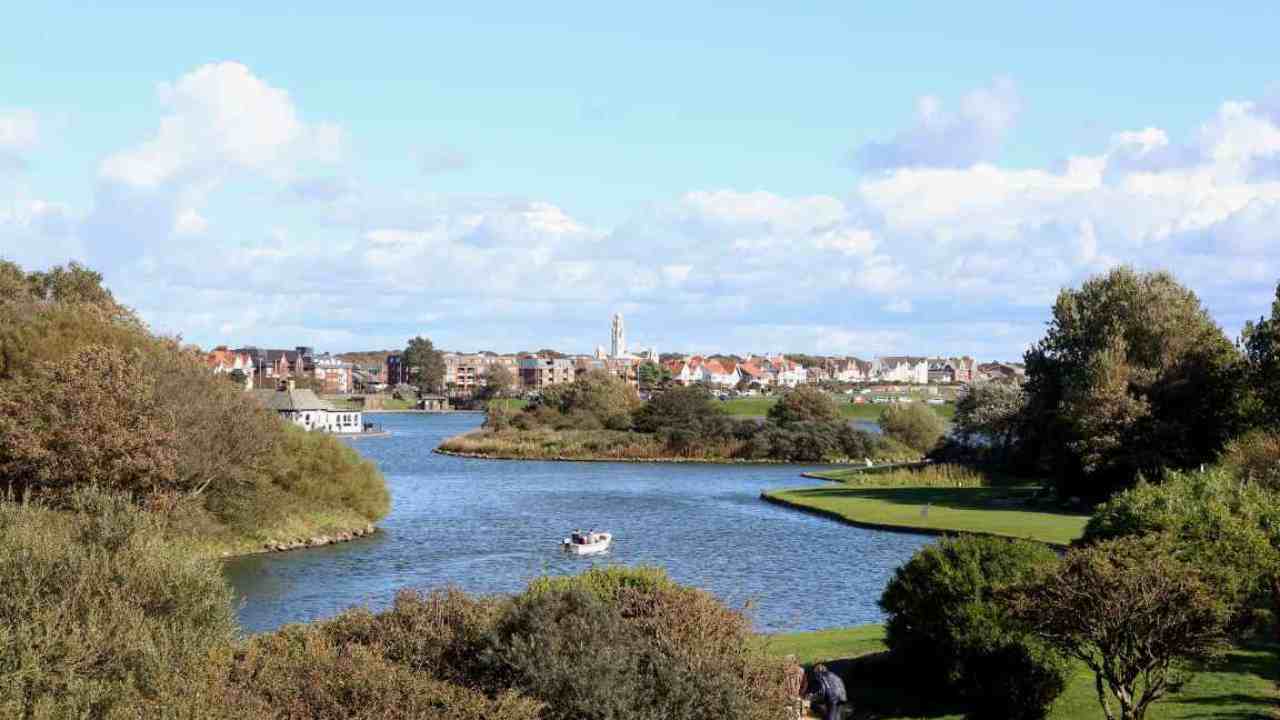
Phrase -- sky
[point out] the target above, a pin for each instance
(839, 178)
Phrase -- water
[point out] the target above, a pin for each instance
(491, 525)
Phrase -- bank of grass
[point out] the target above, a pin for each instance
(1001, 511)
(759, 407)
(1243, 685)
(545, 443)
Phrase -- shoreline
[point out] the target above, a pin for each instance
(316, 541)
(669, 461)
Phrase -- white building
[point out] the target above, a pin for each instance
(901, 369)
(618, 338)
(306, 410)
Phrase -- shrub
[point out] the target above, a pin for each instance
(913, 424)
(654, 649)
(1230, 529)
(804, 404)
(689, 408)
(1255, 458)
(102, 616)
(944, 621)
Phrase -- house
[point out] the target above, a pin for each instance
(721, 372)
(335, 376)
(901, 369)
(786, 373)
(941, 372)
(306, 410)
(754, 374)
(281, 363)
(852, 370)
(223, 361)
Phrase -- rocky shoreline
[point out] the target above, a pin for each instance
(312, 542)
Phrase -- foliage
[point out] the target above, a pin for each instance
(804, 404)
(102, 615)
(498, 382)
(1230, 530)
(991, 410)
(93, 418)
(597, 399)
(913, 424)
(1133, 377)
(425, 363)
(1261, 342)
(691, 409)
(1130, 610)
(932, 475)
(945, 621)
(654, 649)
(651, 374)
(1255, 458)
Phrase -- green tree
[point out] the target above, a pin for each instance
(651, 374)
(913, 424)
(804, 404)
(991, 410)
(425, 363)
(498, 382)
(1133, 377)
(1130, 610)
(1261, 342)
(607, 399)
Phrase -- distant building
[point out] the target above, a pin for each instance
(618, 338)
(306, 410)
(397, 371)
(537, 372)
(223, 361)
(335, 376)
(901, 369)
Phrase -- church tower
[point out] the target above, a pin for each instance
(618, 344)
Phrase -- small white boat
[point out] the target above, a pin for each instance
(586, 543)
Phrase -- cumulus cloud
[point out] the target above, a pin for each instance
(19, 132)
(944, 138)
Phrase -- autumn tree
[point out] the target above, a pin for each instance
(498, 382)
(1132, 612)
(1132, 378)
(1261, 342)
(804, 404)
(597, 394)
(93, 418)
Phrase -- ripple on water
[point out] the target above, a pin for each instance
(491, 526)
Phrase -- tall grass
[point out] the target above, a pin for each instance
(941, 475)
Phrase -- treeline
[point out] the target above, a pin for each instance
(90, 397)
(688, 422)
(1132, 380)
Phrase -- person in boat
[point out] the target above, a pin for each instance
(829, 691)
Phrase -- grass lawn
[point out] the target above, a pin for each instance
(988, 510)
(1243, 686)
(513, 404)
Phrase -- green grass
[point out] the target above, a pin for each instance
(931, 475)
(512, 404)
(985, 510)
(759, 407)
(1243, 685)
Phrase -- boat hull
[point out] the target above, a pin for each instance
(587, 548)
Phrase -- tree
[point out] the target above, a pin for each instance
(690, 408)
(425, 363)
(91, 419)
(498, 382)
(1261, 341)
(991, 410)
(1132, 612)
(804, 404)
(914, 425)
(1132, 377)
(651, 374)
(597, 394)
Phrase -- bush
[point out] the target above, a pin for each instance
(652, 649)
(944, 621)
(1255, 458)
(804, 404)
(1230, 529)
(102, 616)
(914, 425)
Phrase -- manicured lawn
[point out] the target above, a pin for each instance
(988, 510)
(1243, 686)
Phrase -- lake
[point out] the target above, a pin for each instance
(488, 526)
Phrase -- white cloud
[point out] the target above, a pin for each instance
(190, 222)
(940, 138)
(221, 118)
(19, 129)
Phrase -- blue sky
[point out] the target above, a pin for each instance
(840, 178)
